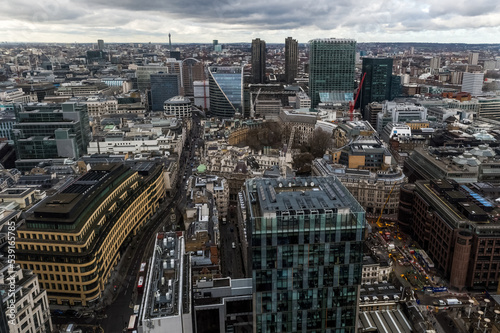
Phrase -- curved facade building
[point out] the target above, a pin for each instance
(178, 106)
(226, 91)
(459, 231)
(72, 239)
(461, 256)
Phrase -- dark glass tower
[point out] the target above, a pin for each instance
(258, 61)
(378, 81)
(291, 59)
(225, 86)
(305, 254)
(331, 66)
(163, 87)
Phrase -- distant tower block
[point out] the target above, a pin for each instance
(291, 59)
(169, 42)
(100, 44)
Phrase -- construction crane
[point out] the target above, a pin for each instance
(253, 103)
(352, 103)
(383, 207)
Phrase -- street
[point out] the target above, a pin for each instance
(120, 295)
(231, 259)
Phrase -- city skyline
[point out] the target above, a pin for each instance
(231, 21)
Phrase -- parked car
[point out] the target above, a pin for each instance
(72, 313)
(56, 312)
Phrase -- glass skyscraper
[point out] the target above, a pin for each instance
(143, 74)
(331, 66)
(226, 91)
(50, 132)
(163, 87)
(377, 86)
(305, 254)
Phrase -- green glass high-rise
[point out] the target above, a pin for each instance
(305, 254)
(378, 84)
(331, 66)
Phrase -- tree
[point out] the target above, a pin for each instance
(267, 135)
(302, 163)
(318, 143)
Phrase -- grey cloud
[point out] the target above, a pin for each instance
(364, 16)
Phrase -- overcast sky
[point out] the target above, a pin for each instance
(241, 20)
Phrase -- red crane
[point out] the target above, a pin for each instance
(352, 103)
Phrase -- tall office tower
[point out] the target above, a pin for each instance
(435, 64)
(192, 70)
(305, 254)
(378, 82)
(201, 91)
(72, 240)
(215, 42)
(26, 310)
(473, 58)
(331, 67)
(258, 61)
(163, 87)
(50, 132)
(291, 59)
(473, 83)
(100, 44)
(143, 74)
(225, 86)
(175, 67)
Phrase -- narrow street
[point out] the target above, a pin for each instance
(231, 259)
(113, 312)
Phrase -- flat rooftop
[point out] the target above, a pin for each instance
(293, 195)
(66, 206)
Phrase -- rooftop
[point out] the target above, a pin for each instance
(178, 100)
(66, 206)
(311, 195)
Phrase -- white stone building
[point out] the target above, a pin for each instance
(178, 106)
(24, 303)
(473, 83)
(373, 272)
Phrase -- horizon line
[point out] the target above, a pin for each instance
(209, 43)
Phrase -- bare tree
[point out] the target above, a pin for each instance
(318, 143)
(302, 163)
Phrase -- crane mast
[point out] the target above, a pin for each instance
(351, 104)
